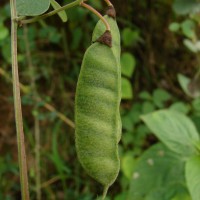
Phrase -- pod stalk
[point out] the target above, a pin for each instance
(97, 14)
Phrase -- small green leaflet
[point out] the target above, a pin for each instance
(160, 96)
(175, 130)
(192, 173)
(184, 82)
(128, 64)
(32, 7)
(62, 14)
(126, 89)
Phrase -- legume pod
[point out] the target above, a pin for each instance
(96, 105)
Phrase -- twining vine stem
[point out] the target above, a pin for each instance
(17, 105)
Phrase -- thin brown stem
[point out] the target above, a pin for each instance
(59, 114)
(51, 181)
(97, 14)
(17, 105)
(108, 2)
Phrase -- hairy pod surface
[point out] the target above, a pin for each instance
(116, 48)
(96, 105)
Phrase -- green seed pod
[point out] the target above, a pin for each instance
(116, 48)
(96, 105)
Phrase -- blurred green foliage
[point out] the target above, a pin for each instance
(159, 39)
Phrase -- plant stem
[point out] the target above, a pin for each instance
(35, 19)
(108, 2)
(97, 14)
(105, 190)
(17, 105)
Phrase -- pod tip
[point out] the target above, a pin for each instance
(106, 38)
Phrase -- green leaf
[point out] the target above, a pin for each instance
(145, 95)
(128, 64)
(192, 173)
(126, 89)
(160, 96)
(183, 7)
(147, 107)
(3, 32)
(130, 37)
(158, 175)
(142, 130)
(188, 28)
(174, 26)
(127, 123)
(128, 138)
(135, 113)
(32, 7)
(175, 130)
(127, 165)
(181, 107)
(184, 83)
(62, 14)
